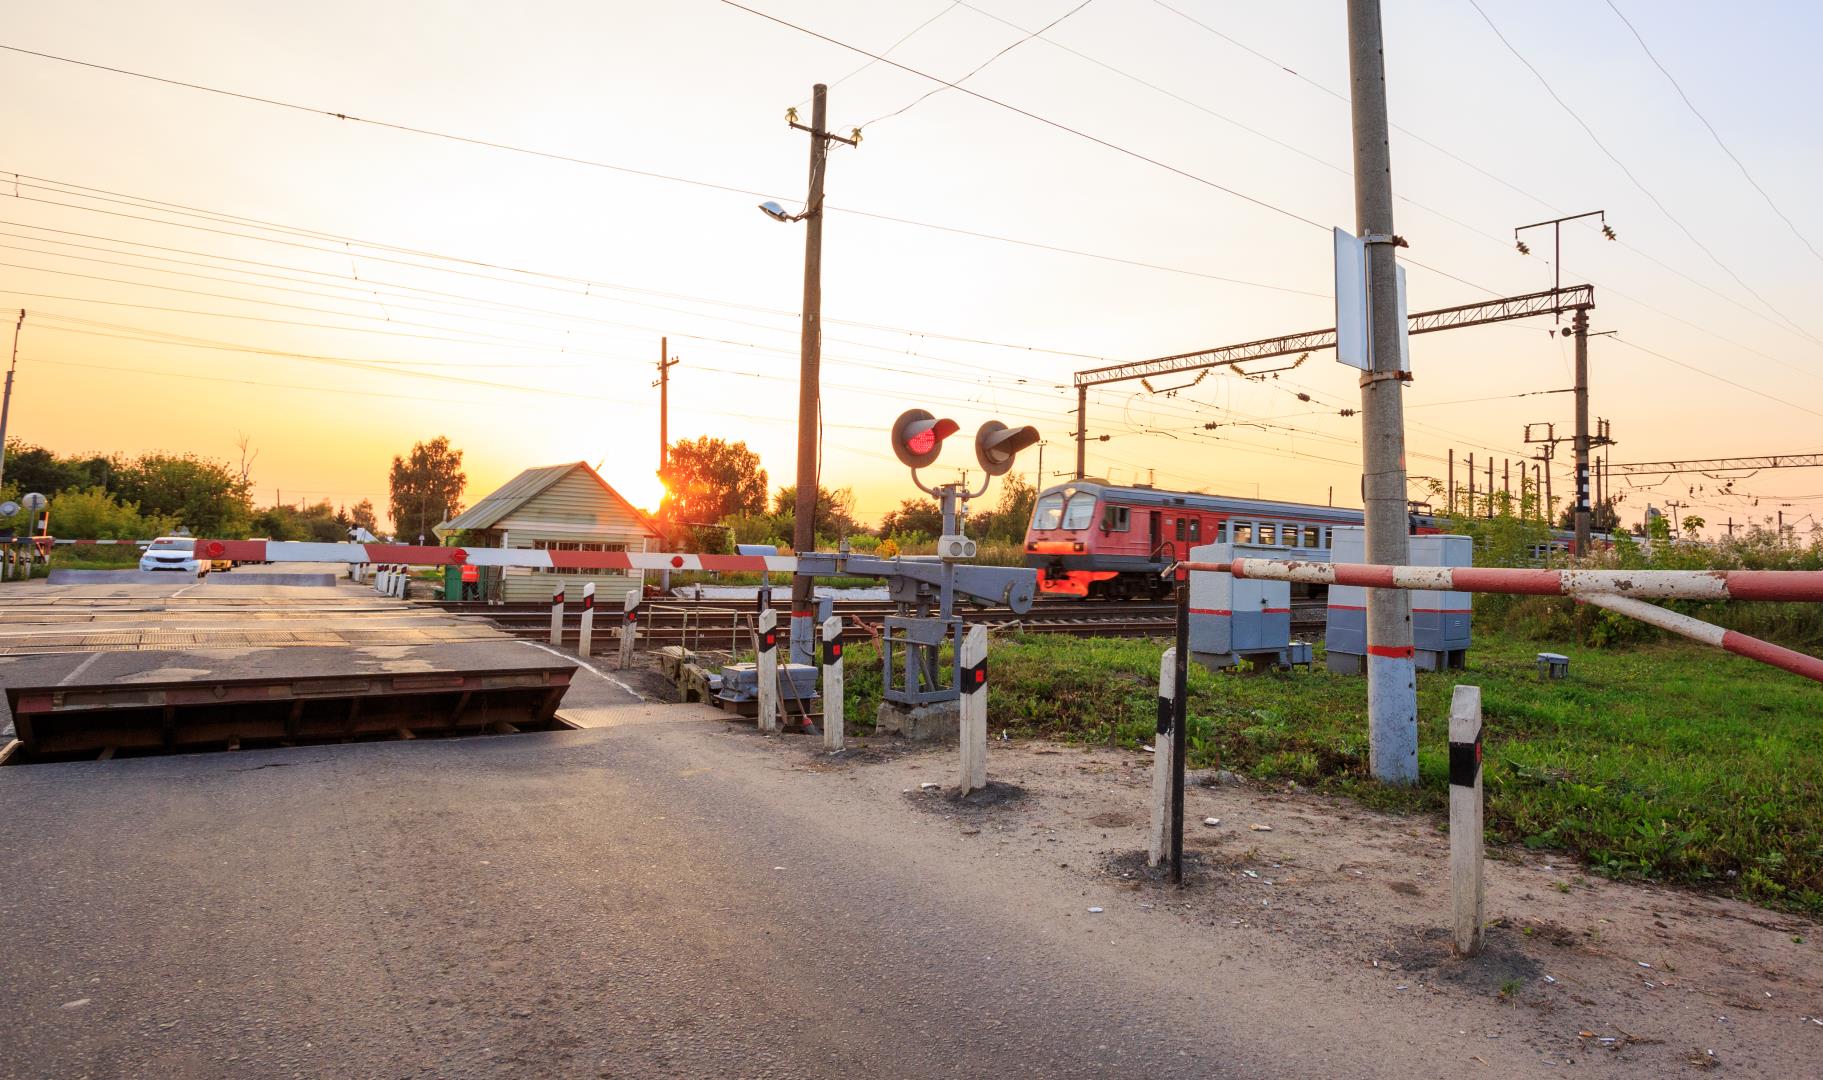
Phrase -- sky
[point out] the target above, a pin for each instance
(1159, 176)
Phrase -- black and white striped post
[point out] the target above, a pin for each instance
(557, 616)
(973, 710)
(766, 670)
(629, 626)
(1161, 757)
(832, 683)
(1465, 819)
(585, 633)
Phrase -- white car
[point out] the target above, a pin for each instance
(176, 553)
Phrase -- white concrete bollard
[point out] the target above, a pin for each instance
(402, 584)
(586, 633)
(629, 626)
(766, 669)
(832, 683)
(973, 711)
(379, 581)
(1466, 834)
(1161, 759)
(557, 616)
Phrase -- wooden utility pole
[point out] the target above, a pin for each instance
(6, 401)
(810, 358)
(1490, 500)
(1392, 686)
(665, 364)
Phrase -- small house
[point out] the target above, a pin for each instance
(557, 508)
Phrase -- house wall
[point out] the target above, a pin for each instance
(574, 510)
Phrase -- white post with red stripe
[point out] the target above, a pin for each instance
(832, 683)
(766, 670)
(557, 616)
(1466, 895)
(973, 712)
(1161, 758)
(629, 626)
(585, 634)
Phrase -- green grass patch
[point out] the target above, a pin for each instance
(85, 557)
(1663, 761)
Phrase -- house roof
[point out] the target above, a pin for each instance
(521, 489)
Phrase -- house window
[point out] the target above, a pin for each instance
(574, 545)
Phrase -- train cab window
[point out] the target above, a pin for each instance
(1313, 536)
(1117, 519)
(1242, 530)
(1196, 530)
(1080, 512)
(1267, 534)
(1049, 511)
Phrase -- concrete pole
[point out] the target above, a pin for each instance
(1470, 511)
(832, 683)
(585, 638)
(973, 710)
(557, 616)
(1466, 896)
(810, 352)
(1579, 324)
(629, 626)
(1452, 483)
(1392, 685)
(1161, 759)
(766, 670)
(1082, 430)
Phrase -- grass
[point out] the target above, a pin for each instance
(70, 556)
(1663, 761)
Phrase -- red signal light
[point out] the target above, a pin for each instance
(918, 437)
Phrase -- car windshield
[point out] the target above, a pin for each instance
(1048, 512)
(1081, 511)
(178, 543)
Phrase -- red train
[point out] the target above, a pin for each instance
(1097, 540)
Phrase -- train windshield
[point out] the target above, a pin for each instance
(1080, 512)
(1048, 512)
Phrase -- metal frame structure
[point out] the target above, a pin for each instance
(1705, 465)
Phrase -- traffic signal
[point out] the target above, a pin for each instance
(996, 445)
(918, 437)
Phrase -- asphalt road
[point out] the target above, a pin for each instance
(652, 898)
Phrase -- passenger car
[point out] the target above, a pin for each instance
(174, 553)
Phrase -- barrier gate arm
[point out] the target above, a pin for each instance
(1619, 591)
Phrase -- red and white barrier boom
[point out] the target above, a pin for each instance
(1622, 591)
(281, 551)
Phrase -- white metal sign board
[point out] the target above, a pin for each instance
(1352, 320)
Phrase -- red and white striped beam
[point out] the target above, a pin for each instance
(86, 543)
(1619, 591)
(282, 551)
(1795, 585)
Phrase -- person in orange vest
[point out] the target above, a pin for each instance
(471, 582)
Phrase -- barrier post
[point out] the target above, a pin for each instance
(1161, 758)
(832, 683)
(629, 626)
(557, 616)
(766, 667)
(1466, 819)
(586, 632)
(973, 709)
(1180, 720)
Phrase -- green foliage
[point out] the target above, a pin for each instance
(322, 523)
(92, 514)
(1011, 514)
(707, 480)
(834, 516)
(749, 528)
(914, 517)
(201, 494)
(1667, 761)
(426, 488)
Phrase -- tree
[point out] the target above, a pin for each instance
(203, 495)
(1008, 520)
(426, 488)
(914, 516)
(361, 517)
(834, 516)
(33, 468)
(92, 514)
(709, 479)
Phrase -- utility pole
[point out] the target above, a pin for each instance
(1470, 511)
(1579, 325)
(1490, 511)
(1452, 483)
(1082, 430)
(803, 530)
(6, 402)
(1040, 486)
(665, 364)
(1392, 686)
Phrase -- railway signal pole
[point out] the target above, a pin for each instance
(1392, 687)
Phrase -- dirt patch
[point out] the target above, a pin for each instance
(996, 797)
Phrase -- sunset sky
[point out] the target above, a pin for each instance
(197, 266)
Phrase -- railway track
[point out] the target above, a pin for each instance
(707, 623)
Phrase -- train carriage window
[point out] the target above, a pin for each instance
(1080, 512)
(1049, 511)
(1180, 528)
(1268, 534)
(1313, 536)
(1196, 530)
(1220, 533)
(1242, 530)
(1117, 519)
